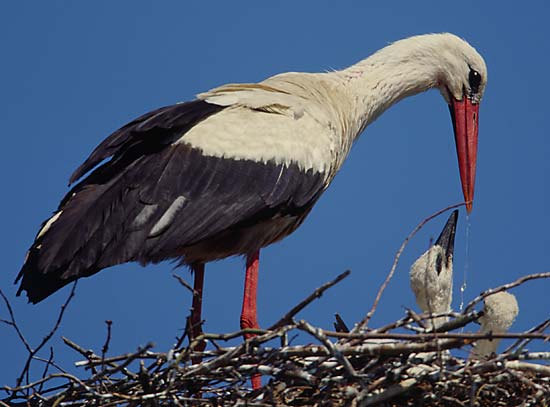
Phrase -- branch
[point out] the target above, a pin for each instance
(13, 323)
(419, 337)
(332, 349)
(528, 367)
(391, 392)
(105, 348)
(369, 315)
(504, 287)
(287, 318)
(184, 283)
(47, 337)
(459, 322)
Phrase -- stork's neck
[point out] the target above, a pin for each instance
(388, 76)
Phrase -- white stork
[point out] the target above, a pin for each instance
(431, 275)
(499, 313)
(241, 166)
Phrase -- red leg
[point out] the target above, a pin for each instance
(195, 320)
(249, 318)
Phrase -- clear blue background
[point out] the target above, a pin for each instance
(72, 72)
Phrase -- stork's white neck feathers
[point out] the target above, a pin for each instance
(408, 67)
(312, 119)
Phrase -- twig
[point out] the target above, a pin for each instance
(369, 315)
(529, 367)
(95, 361)
(534, 356)
(48, 336)
(459, 322)
(232, 335)
(13, 323)
(391, 392)
(187, 330)
(44, 379)
(45, 372)
(117, 368)
(184, 283)
(504, 287)
(213, 363)
(419, 337)
(520, 343)
(397, 324)
(105, 347)
(332, 349)
(287, 318)
(88, 354)
(51, 362)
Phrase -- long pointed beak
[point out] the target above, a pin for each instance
(447, 237)
(465, 115)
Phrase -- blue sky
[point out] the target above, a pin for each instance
(72, 72)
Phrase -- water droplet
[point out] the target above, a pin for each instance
(466, 263)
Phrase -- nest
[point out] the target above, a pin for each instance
(401, 364)
(405, 363)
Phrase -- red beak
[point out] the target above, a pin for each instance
(465, 115)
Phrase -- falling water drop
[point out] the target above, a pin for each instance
(466, 263)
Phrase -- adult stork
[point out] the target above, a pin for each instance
(241, 166)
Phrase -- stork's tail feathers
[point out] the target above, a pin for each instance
(106, 218)
(42, 273)
(37, 284)
(85, 235)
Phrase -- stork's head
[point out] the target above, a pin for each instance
(439, 257)
(461, 79)
(414, 65)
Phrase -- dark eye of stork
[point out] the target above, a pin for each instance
(474, 78)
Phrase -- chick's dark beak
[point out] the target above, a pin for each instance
(447, 237)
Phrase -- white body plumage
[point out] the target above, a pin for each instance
(499, 313)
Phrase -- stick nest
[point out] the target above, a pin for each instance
(405, 363)
(401, 364)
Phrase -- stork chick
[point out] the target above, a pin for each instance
(431, 276)
(499, 313)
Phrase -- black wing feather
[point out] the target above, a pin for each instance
(70, 247)
(108, 218)
(162, 125)
(233, 194)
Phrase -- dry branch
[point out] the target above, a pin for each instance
(504, 287)
(287, 318)
(369, 315)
